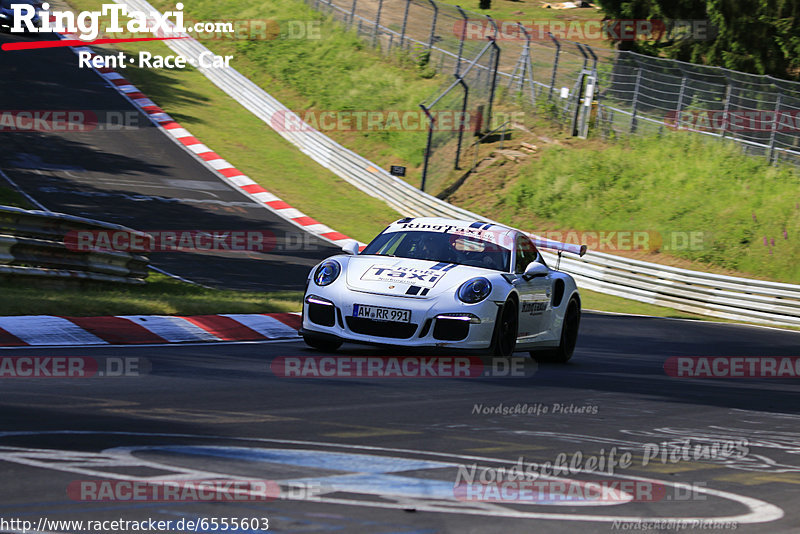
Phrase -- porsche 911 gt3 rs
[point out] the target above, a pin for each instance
(435, 282)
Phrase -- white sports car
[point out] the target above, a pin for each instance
(434, 282)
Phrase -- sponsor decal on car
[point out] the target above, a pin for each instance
(425, 278)
(534, 308)
(478, 230)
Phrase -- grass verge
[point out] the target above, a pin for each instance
(161, 295)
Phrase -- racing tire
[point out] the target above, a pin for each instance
(324, 345)
(569, 337)
(504, 338)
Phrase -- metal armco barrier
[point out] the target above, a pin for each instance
(32, 245)
(720, 296)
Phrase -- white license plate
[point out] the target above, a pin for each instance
(382, 314)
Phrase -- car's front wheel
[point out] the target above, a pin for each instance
(325, 345)
(504, 338)
(569, 336)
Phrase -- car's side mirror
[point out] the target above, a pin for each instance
(535, 269)
(351, 247)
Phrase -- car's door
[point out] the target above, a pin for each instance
(534, 293)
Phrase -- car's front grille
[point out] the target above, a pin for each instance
(371, 327)
(450, 329)
(321, 314)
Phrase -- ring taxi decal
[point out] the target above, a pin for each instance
(425, 278)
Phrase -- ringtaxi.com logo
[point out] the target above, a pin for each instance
(400, 367)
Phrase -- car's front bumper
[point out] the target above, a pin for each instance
(434, 323)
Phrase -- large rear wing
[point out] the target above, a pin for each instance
(541, 242)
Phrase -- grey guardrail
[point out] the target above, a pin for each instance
(727, 297)
(36, 244)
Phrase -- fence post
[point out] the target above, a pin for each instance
(377, 23)
(555, 65)
(461, 41)
(635, 99)
(679, 107)
(433, 24)
(527, 66)
(774, 131)
(353, 12)
(578, 92)
(493, 74)
(725, 108)
(461, 120)
(427, 147)
(405, 23)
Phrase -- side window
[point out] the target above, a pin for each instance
(526, 253)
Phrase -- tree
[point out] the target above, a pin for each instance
(757, 36)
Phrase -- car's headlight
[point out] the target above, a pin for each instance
(327, 272)
(474, 290)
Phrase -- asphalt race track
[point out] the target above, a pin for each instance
(137, 177)
(215, 411)
(360, 454)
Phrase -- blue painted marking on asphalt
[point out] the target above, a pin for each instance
(335, 461)
(376, 484)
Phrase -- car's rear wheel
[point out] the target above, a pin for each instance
(325, 345)
(504, 338)
(569, 337)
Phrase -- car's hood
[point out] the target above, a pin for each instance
(406, 277)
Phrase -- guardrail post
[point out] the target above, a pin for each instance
(774, 131)
(461, 39)
(555, 65)
(377, 23)
(427, 147)
(405, 23)
(433, 24)
(635, 99)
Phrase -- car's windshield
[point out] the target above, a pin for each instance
(441, 247)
